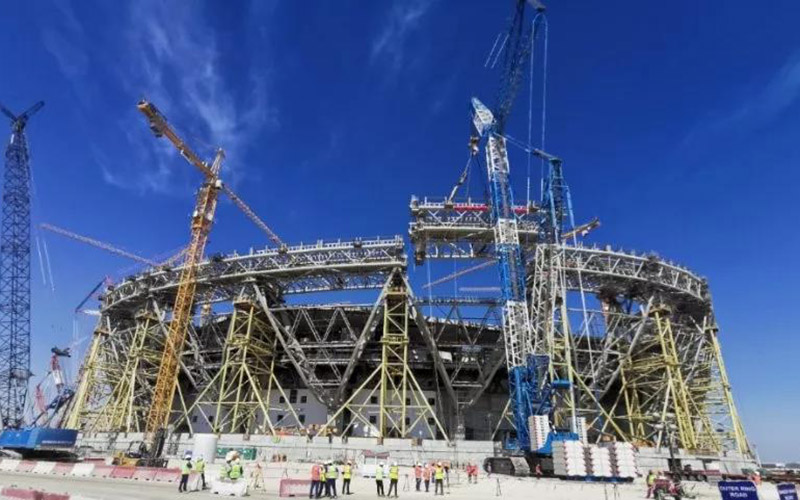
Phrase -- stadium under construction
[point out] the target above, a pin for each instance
(607, 344)
(638, 332)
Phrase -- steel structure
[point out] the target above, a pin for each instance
(633, 337)
(15, 272)
(456, 352)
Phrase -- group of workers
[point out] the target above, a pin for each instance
(422, 474)
(324, 476)
(199, 466)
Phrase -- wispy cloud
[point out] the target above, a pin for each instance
(64, 37)
(759, 107)
(172, 59)
(403, 19)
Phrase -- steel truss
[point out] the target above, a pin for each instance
(599, 324)
(391, 392)
(602, 325)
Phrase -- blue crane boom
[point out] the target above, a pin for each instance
(530, 389)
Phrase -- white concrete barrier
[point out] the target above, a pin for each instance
(237, 489)
(43, 467)
(9, 464)
(82, 470)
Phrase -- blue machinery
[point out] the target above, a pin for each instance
(531, 381)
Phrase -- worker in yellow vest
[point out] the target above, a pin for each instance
(394, 475)
(332, 475)
(186, 469)
(379, 479)
(347, 473)
(200, 467)
(438, 476)
(323, 481)
(237, 471)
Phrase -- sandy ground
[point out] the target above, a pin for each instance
(363, 489)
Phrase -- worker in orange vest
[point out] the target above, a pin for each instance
(315, 470)
(426, 476)
(418, 475)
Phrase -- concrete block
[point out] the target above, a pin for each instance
(43, 467)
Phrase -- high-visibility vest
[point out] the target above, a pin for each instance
(200, 465)
(379, 473)
(346, 472)
(186, 467)
(439, 473)
(315, 473)
(333, 472)
(417, 472)
(426, 473)
(322, 473)
(225, 471)
(394, 472)
(236, 471)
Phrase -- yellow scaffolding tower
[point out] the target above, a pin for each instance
(391, 393)
(655, 380)
(237, 399)
(128, 404)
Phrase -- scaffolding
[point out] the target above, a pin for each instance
(390, 401)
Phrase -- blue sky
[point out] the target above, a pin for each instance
(678, 125)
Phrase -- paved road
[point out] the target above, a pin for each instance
(98, 488)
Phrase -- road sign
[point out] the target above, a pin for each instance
(738, 490)
(787, 491)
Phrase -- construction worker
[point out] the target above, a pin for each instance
(237, 471)
(379, 479)
(186, 469)
(438, 476)
(323, 481)
(200, 467)
(426, 476)
(225, 471)
(650, 480)
(332, 475)
(315, 469)
(418, 475)
(394, 475)
(347, 473)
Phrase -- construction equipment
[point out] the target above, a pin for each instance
(202, 219)
(533, 383)
(97, 243)
(15, 272)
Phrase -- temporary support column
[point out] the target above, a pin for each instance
(400, 404)
(237, 399)
(654, 388)
(128, 404)
(737, 429)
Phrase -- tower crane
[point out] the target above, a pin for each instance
(202, 219)
(15, 271)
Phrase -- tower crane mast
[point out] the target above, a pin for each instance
(15, 272)
(202, 220)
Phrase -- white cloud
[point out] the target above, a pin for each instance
(403, 18)
(173, 60)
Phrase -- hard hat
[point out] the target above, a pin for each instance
(394, 463)
(438, 463)
(381, 464)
